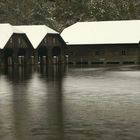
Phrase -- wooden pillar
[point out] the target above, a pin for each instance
(66, 59)
(2, 58)
(36, 57)
(27, 57)
(50, 58)
(31, 57)
(59, 59)
(44, 60)
(32, 60)
(21, 60)
(15, 57)
(41, 60)
(10, 60)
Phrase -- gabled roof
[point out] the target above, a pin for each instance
(103, 32)
(6, 31)
(36, 33)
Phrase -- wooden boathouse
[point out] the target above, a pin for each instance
(49, 47)
(15, 47)
(104, 42)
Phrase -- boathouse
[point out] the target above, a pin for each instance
(104, 42)
(48, 44)
(15, 48)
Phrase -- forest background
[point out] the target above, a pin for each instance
(59, 14)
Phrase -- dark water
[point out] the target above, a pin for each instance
(75, 103)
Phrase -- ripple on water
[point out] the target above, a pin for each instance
(70, 104)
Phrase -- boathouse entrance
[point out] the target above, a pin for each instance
(16, 56)
(43, 55)
(56, 54)
(22, 55)
(8, 56)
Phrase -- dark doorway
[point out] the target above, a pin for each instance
(22, 56)
(43, 55)
(8, 53)
(56, 53)
(21, 52)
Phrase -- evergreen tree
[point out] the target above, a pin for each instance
(59, 14)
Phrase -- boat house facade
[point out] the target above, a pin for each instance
(49, 47)
(104, 42)
(15, 47)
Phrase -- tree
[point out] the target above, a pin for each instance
(3, 12)
(69, 12)
(59, 14)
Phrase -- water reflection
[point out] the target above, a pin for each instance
(68, 103)
(18, 78)
(48, 103)
(36, 108)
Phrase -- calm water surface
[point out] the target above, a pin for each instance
(70, 103)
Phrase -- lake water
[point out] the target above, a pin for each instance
(70, 103)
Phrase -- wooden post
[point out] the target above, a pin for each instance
(15, 57)
(50, 58)
(36, 57)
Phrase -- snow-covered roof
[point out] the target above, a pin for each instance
(36, 33)
(6, 31)
(103, 32)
